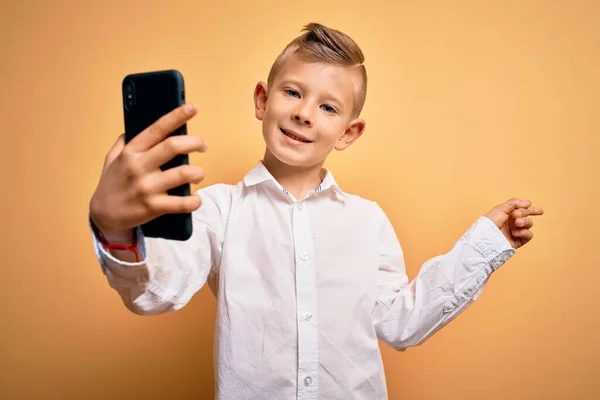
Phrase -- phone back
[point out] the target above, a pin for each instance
(148, 96)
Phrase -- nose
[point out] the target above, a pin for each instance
(302, 116)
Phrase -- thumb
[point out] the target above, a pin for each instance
(114, 151)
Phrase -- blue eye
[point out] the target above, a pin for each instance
(327, 108)
(292, 93)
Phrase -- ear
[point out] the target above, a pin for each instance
(354, 130)
(260, 100)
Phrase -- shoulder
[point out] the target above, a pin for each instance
(217, 202)
(217, 199)
(366, 207)
(222, 195)
(217, 193)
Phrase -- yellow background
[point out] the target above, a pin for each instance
(469, 104)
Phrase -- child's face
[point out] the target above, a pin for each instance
(308, 111)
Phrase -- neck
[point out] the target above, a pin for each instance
(296, 180)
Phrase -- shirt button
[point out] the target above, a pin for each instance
(304, 256)
(307, 315)
(307, 381)
(300, 206)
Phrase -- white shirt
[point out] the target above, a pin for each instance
(304, 287)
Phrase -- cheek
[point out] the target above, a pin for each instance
(276, 109)
(333, 130)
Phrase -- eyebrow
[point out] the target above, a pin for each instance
(300, 84)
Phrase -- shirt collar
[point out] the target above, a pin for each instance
(260, 174)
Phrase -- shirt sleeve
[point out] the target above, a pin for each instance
(408, 313)
(170, 272)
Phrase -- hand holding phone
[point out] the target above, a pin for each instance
(136, 184)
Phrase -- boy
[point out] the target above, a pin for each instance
(307, 277)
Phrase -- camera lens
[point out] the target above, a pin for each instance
(129, 95)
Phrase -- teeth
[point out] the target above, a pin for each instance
(295, 137)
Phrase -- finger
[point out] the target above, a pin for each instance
(169, 148)
(526, 223)
(162, 181)
(162, 127)
(524, 234)
(520, 213)
(167, 204)
(536, 211)
(115, 150)
(512, 204)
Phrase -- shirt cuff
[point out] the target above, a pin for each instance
(103, 255)
(492, 242)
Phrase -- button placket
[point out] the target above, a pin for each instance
(306, 304)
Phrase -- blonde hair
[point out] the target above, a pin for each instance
(322, 44)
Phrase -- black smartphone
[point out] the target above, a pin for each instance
(147, 96)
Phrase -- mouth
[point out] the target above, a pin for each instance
(295, 136)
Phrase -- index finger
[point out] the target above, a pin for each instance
(162, 128)
(536, 211)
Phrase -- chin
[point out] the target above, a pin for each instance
(287, 157)
(278, 149)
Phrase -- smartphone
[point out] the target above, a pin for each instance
(147, 96)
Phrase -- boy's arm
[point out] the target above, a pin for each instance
(167, 273)
(408, 313)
